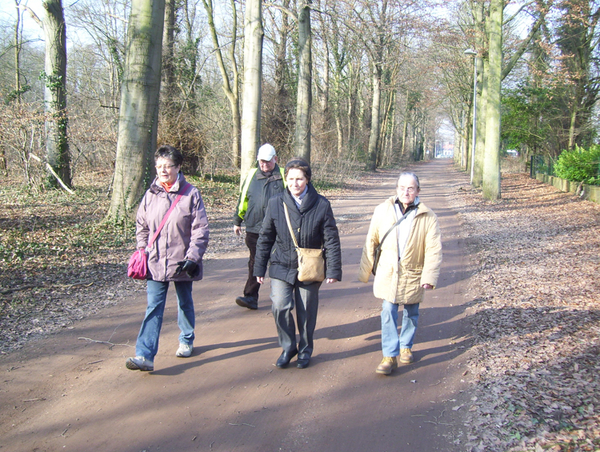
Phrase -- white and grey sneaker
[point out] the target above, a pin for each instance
(184, 350)
(139, 363)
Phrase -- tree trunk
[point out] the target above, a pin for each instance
(18, 41)
(339, 133)
(481, 64)
(279, 123)
(55, 92)
(326, 77)
(375, 123)
(252, 95)
(386, 133)
(491, 166)
(404, 135)
(480, 123)
(572, 124)
(304, 104)
(138, 114)
(168, 68)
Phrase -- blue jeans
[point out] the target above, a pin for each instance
(147, 341)
(305, 297)
(391, 343)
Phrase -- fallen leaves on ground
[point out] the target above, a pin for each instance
(535, 315)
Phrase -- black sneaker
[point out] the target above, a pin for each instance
(247, 302)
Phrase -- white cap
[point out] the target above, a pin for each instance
(266, 152)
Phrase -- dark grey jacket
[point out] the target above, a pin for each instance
(254, 196)
(315, 227)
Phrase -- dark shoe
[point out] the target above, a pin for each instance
(285, 358)
(303, 360)
(247, 302)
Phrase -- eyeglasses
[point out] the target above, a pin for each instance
(407, 189)
(167, 167)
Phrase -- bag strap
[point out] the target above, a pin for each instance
(289, 223)
(182, 191)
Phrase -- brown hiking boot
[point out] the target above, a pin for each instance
(387, 365)
(406, 356)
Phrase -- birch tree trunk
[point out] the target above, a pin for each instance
(138, 114)
(491, 164)
(304, 103)
(55, 93)
(252, 94)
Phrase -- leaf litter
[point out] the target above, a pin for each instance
(534, 309)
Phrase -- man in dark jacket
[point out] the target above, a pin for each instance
(259, 186)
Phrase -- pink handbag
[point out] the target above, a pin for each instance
(138, 265)
(138, 262)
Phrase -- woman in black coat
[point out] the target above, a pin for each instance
(314, 226)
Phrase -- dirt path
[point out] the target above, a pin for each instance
(72, 392)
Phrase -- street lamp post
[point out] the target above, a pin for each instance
(472, 53)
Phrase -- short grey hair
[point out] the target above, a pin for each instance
(411, 174)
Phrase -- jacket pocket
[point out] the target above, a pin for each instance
(411, 286)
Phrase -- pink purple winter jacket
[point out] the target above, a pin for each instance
(184, 235)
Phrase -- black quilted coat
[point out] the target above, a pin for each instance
(314, 227)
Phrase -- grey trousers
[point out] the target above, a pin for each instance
(305, 298)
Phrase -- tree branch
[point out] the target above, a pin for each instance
(517, 55)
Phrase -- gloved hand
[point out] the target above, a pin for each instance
(186, 266)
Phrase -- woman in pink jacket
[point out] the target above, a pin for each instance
(175, 256)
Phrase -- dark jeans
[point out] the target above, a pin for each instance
(251, 287)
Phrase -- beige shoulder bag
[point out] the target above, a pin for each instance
(311, 265)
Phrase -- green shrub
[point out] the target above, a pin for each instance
(580, 165)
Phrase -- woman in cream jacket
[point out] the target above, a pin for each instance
(411, 256)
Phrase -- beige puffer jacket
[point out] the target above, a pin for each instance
(401, 282)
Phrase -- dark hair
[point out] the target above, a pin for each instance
(413, 175)
(301, 164)
(169, 152)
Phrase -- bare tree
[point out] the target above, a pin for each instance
(380, 26)
(104, 22)
(55, 97)
(278, 114)
(252, 95)
(230, 86)
(491, 166)
(304, 103)
(138, 115)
